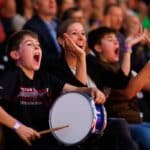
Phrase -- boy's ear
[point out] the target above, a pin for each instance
(97, 48)
(14, 54)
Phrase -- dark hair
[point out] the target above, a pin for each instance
(68, 13)
(15, 40)
(109, 7)
(64, 26)
(95, 36)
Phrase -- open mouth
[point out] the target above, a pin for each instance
(36, 57)
(117, 51)
(81, 46)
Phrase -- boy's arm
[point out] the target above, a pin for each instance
(96, 94)
(26, 134)
(132, 39)
(137, 83)
(147, 86)
(126, 61)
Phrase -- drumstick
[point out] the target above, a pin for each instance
(52, 129)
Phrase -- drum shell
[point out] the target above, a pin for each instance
(100, 123)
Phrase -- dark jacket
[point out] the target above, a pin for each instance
(49, 49)
(62, 71)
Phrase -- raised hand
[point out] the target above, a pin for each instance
(135, 31)
(136, 38)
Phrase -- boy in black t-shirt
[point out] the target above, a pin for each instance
(26, 94)
(116, 78)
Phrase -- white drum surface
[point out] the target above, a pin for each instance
(71, 109)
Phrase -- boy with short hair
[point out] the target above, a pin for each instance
(121, 101)
(26, 95)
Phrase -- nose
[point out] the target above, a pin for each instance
(36, 46)
(52, 2)
(80, 36)
(116, 42)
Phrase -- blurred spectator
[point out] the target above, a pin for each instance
(24, 8)
(97, 13)
(11, 20)
(75, 13)
(111, 2)
(128, 7)
(45, 24)
(132, 4)
(132, 25)
(86, 6)
(113, 17)
(2, 33)
(140, 55)
(143, 14)
(64, 5)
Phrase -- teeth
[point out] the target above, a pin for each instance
(36, 53)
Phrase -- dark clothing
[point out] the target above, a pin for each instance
(118, 106)
(28, 101)
(62, 71)
(116, 136)
(106, 75)
(49, 48)
(111, 75)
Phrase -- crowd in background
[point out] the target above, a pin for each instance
(14, 14)
(123, 16)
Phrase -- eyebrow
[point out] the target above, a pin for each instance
(75, 30)
(109, 36)
(25, 41)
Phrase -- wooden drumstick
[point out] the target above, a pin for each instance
(52, 129)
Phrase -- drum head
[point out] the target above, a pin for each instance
(71, 109)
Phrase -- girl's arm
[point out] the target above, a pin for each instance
(96, 94)
(73, 49)
(140, 82)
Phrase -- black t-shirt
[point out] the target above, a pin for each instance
(106, 74)
(28, 100)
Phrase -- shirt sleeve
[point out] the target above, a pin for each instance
(116, 80)
(7, 87)
(105, 77)
(56, 85)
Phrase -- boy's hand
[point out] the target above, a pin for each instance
(143, 35)
(27, 134)
(98, 96)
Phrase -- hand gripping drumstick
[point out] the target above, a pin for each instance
(52, 129)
